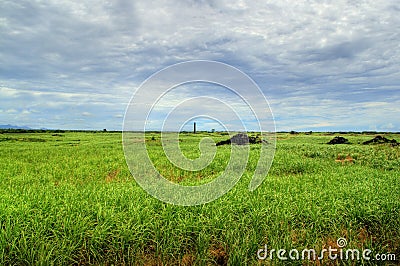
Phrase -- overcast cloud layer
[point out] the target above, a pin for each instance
(323, 65)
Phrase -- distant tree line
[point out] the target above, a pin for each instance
(19, 130)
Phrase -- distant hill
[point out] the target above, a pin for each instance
(13, 127)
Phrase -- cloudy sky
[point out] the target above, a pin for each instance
(322, 65)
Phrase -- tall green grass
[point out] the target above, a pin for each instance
(70, 199)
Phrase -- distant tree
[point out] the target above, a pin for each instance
(105, 130)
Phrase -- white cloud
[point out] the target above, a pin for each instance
(310, 58)
(86, 114)
(11, 111)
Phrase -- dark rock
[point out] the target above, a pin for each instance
(381, 140)
(224, 142)
(242, 139)
(338, 140)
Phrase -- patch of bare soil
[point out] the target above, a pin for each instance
(219, 255)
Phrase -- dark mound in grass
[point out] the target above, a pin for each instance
(338, 140)
(381, 140)
(241, 139)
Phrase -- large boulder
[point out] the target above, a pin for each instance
(241, 139)
(381, 140)
(338, 140)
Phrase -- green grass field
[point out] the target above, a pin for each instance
(69, 198)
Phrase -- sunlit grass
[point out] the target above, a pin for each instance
(70, 199)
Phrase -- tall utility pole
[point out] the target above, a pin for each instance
(194, 127)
